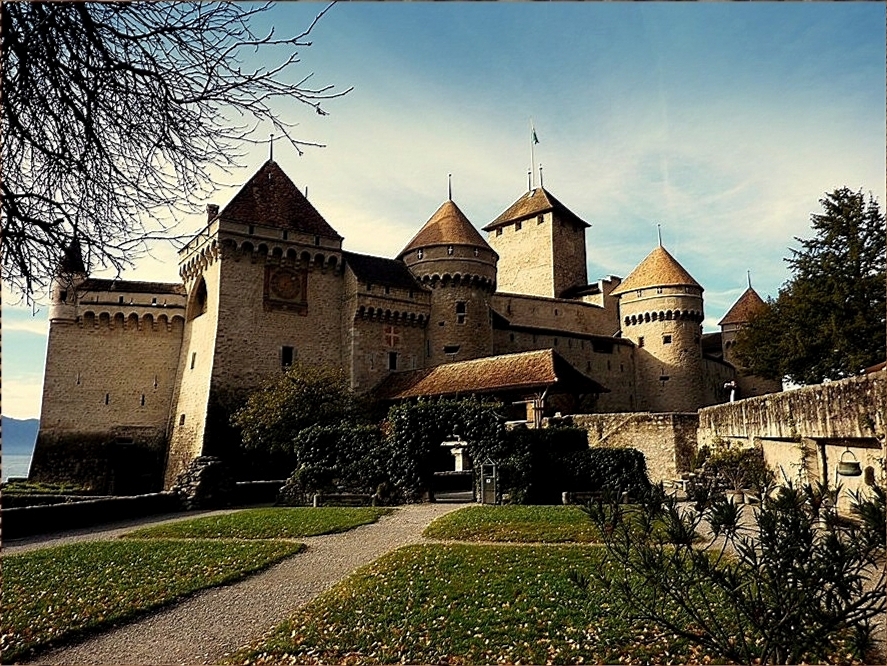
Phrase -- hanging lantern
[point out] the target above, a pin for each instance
(849, 467)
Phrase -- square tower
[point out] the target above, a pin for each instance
(541, 246)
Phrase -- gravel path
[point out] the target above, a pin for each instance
(205, 627)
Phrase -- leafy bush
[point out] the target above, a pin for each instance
(800, 589)
(335, 458)
(415, 432)
(304, 396)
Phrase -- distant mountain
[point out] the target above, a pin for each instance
(19, 435)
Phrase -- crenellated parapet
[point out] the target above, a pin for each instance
(127, 320)
(388, 316)
(696, 316)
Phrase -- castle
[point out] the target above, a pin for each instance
(134, 370)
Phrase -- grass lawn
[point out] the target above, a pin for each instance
(63, 591)
(266, 523)
(467, 604)
(516, 524)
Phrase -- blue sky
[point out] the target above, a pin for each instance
(724, 123)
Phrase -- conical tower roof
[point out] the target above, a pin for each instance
(448, 226)
(659, 269)
(743, 309)
(270, 198)
(72, 259)
(534, 203)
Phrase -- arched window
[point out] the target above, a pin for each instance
(198, 300)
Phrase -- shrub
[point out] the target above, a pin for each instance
(795, 589)
(415, 432)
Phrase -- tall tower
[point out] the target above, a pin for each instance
(660, 309)
(450, 256)
(541, 246)
(738, 316)
(70, 274)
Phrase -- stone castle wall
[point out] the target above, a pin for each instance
(568, 255)
(668, 441)
(804, 433)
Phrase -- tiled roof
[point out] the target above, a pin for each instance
(534, 203)
(659, 269)
(270, 198)
(448, 226)
(743, 309)
(527, 371)
(712, 345)
(378, 270)
(130, 287)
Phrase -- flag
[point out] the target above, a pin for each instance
(535, 138)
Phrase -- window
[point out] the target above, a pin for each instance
(499, 231)
(540, 219)
(142, 402)
(663, 378)
(120, 299)
(193, 359)
(287, 354)
(555, 342)
(451, 350)
(411, 293)
(392, 360)
(461, 312)
(182, 420)
(517, 225)
(154, 301)
(476, 252)
(107, 398)
(369, 286)
(666, 339)
(449, 249)
(387, 290)
(251, 230)
(63, 295)
(639, 292)
(641, 341)
(511, 337)
(658, 290)
(286, 234)
(317, 240)
(420, 254)
(78, 379)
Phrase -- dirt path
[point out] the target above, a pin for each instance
(205, 627)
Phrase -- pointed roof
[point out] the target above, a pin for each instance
(72, 259)
(270, 198)
(659, 269)
(534, 203)
(448, 226)
(743, 309)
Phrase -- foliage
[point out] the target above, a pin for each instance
(115, 115)
(58, 593)
(415, 432)
(536, 466)
(828, 321)
(798, 589)
(514, 523)
(265, 523)
(22, 487)
(341, 457)
(305, 395)
(738, 468)
(506, 604)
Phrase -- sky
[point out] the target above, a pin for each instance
(723, 123)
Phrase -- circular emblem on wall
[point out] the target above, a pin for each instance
(286, 284)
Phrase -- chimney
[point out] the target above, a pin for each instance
(212, 212)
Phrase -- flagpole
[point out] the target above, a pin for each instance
(532, 155)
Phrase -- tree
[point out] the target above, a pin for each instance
(797, 586)
(304, 396)
(828, 321)
(114, 113)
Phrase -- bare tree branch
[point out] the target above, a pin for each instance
(113, 115)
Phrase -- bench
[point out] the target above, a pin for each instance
(343, 499)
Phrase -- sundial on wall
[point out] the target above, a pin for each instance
(285, 289)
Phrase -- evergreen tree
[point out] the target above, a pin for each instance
(828, 321)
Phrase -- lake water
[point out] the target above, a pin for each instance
(15, 465)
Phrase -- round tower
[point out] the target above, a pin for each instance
(70, 274)
(660, 310)
(449, 256)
